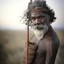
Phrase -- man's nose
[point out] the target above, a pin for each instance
(37, 20)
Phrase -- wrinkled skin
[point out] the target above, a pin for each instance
(49, 43)
(47, 49)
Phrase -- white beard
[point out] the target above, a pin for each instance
(40, 33)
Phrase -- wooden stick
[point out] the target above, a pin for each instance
(27, 49)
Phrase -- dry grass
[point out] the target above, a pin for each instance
(12, 44)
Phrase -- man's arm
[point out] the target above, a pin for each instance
(51, 53)
(48, 58)
(31, 52)
(48, 52)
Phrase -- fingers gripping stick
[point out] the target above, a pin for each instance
(32, 49)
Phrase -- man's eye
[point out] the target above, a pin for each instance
(33, 18)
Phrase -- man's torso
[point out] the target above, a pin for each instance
(51, 42)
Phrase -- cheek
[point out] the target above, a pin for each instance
(45, 20)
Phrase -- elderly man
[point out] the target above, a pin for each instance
(40, 16)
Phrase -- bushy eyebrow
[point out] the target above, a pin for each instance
(37, 16)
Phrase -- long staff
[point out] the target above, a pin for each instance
(27, 49)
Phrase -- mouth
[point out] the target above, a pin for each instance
(38, 26)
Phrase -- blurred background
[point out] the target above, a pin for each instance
(13, 31)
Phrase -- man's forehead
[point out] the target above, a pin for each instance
(38, 11)
(34, 14)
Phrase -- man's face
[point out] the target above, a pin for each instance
(39, 23)
(39, 19)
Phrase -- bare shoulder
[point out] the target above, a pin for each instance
(48, 41)
(51, 42)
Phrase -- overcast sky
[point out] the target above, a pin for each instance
(11, 10)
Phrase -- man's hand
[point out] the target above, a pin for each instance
(31, 51)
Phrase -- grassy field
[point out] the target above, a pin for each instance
(12, 43)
